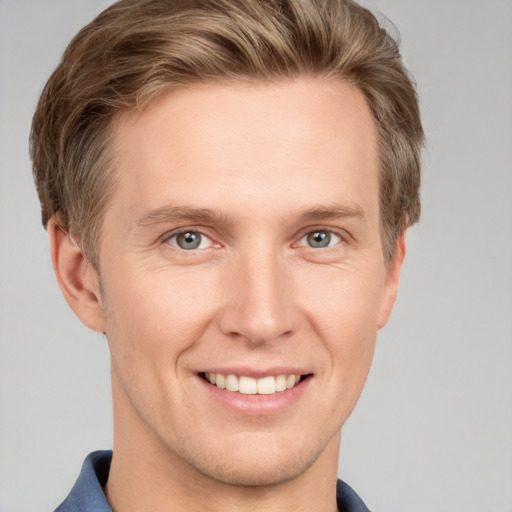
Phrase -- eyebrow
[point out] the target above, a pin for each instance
(335, 211)
(179, 213)
(208, 216)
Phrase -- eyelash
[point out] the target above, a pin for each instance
(303, 237)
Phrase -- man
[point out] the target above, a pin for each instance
(226, 187)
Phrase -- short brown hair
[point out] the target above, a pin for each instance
(137, 49)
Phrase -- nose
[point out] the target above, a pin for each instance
(260, 305)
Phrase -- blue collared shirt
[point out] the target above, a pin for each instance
(87, 494)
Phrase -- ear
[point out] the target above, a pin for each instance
(392, 281)
(77, 278)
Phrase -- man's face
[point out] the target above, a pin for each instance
(243, 240)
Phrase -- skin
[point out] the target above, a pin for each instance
(270, 164)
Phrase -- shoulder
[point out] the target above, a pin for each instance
(87, 493)
(348, 500)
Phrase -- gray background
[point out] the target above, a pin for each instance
(433, 429)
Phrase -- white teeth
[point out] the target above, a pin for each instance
(280, 382)
(232, 382)
(250, 386)
(266, 386)
(220, 381)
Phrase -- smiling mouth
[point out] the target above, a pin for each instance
(250, 386)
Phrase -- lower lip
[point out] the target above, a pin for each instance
(257, 405)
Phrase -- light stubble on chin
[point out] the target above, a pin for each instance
(242, 472)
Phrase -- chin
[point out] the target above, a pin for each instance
(260, 464)
(255, 473)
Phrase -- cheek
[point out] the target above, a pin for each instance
(156, 316)
(345, 314)
(344, 302)
(350, 341)
(152, 322)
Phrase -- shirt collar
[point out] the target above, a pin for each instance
(87, 494)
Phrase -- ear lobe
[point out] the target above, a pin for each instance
(77, 278)
(392, 281)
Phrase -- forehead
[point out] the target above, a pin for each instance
(250, 147)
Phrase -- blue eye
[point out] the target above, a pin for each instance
(320, 239)
(189, 240)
